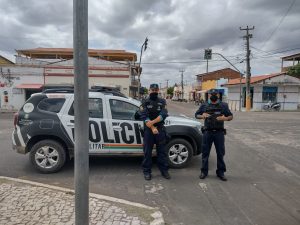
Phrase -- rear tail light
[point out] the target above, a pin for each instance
(16, 116)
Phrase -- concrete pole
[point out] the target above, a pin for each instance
(248, 77)
(248, 74)
(80, 42)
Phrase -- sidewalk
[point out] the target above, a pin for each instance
(26, 202)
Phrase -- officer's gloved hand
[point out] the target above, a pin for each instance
(154, 130)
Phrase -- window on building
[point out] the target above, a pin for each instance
(51, 104)
(95, 108)
(121, 110)
(269, 94)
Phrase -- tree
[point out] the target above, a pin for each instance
(170, 91)
(294, 71)
(145, 91)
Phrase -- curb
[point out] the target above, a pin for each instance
(157, 215)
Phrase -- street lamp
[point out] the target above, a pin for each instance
(144, 46)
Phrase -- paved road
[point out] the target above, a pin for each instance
(262, 156)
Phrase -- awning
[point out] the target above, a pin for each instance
(30, 86)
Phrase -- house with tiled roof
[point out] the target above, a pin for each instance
(277, 87)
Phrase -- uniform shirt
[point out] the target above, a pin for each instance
(151, 109)
(224, 111)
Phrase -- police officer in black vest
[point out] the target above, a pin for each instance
(214, 112)
(153, 112)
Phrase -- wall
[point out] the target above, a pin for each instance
(210, 84)
(288, 96)
(19, 75)
(233, 99)
(101, 73)
(291, 102)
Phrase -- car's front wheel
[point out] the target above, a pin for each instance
(179, 153)
(48, 156)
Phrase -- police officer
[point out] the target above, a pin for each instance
(214, 112)
(153, 112)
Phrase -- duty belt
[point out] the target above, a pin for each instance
(214, 130)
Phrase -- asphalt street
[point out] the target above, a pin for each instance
(262, 157)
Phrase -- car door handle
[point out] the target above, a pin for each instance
(118, 128)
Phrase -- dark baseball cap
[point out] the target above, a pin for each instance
(154, 86)
(213, 91)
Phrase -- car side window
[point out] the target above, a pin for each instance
(51, 104)
(121, 110)
(95, 108)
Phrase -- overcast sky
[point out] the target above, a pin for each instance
(178, 31)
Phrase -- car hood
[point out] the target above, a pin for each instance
(182, 120)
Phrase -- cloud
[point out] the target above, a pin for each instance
(178, 31)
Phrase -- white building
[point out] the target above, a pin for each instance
(36, 69)
(101, 73)
(278, 87)
(17, 84)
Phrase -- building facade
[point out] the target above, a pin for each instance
(37, 69)
(273, 88)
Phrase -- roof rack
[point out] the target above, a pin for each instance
(59, 90)
(106, 91)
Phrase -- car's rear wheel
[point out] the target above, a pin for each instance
(179, 153)
(48, 156)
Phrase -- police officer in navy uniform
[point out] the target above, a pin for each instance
(153, 112)
(214, 112)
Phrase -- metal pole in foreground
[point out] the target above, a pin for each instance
(80, 42)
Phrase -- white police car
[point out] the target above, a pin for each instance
(44, 127)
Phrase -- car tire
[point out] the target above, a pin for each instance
(179, 153)
(48, 156)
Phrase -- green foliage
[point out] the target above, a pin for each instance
(145, 91)
(170, 90)
(294, 71)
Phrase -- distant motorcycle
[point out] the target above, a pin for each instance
(272, 106)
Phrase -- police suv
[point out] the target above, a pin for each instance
(44, 128)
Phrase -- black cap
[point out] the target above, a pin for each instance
(213, 91)
(154, 86)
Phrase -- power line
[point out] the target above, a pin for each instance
(280, 22)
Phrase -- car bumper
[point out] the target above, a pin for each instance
(16, 144)
(19, 149)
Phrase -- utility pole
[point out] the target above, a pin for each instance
(182, 70)
(81, 96)
(167, 84)
(248, 69)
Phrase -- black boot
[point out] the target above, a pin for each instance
(202, 176)
(147, 176)
(166, 175)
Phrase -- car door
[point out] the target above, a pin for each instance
(125, 129)
(98, 125)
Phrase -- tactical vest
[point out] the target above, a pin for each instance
(211, 123)
(154, 108)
